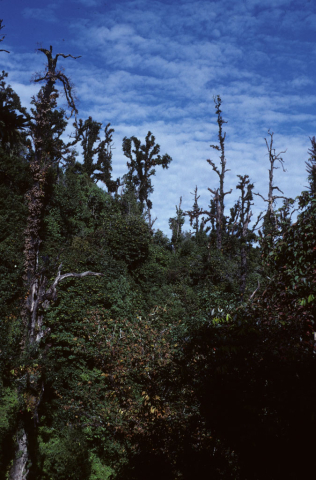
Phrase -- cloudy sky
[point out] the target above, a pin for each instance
(157, 64)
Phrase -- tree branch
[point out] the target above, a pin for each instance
(258, 220)
(51, 292)
(279, 196)
(213, 165)
(277, 188)
(254, 293)
(66, 56)
(259, 194)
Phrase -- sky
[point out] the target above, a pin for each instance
(156, 65)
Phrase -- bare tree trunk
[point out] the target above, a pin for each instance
(19, 469)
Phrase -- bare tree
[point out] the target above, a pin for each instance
(273, 158)
(274, 223)
(219, 194)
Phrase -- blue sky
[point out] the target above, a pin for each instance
(156, 65)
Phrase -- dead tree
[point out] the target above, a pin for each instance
(274, 223)
(270, 217)
(219, 194)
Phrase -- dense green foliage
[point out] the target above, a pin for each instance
(180, 360)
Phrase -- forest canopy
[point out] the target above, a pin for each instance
(125, 354)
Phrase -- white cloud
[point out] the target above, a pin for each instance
(46, 14)
(154, 65)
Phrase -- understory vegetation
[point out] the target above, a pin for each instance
(125, 354)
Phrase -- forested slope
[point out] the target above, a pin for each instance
(128, 355)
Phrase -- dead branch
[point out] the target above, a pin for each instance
(257, 222)
(3, 36)
(254, 293)
(51, 292)
(52, 62)
(277, 188)
(259, 195)
(212, 163)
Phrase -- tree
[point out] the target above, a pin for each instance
(262, 354)
(176, 223)
(218, 194)
(11, 123)
(195, 213)
(269, 228)
(45, 130)
(100, 170)
(311, 168)
(14, 182)
(135, 359)
(141, 166)
(243, 233)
